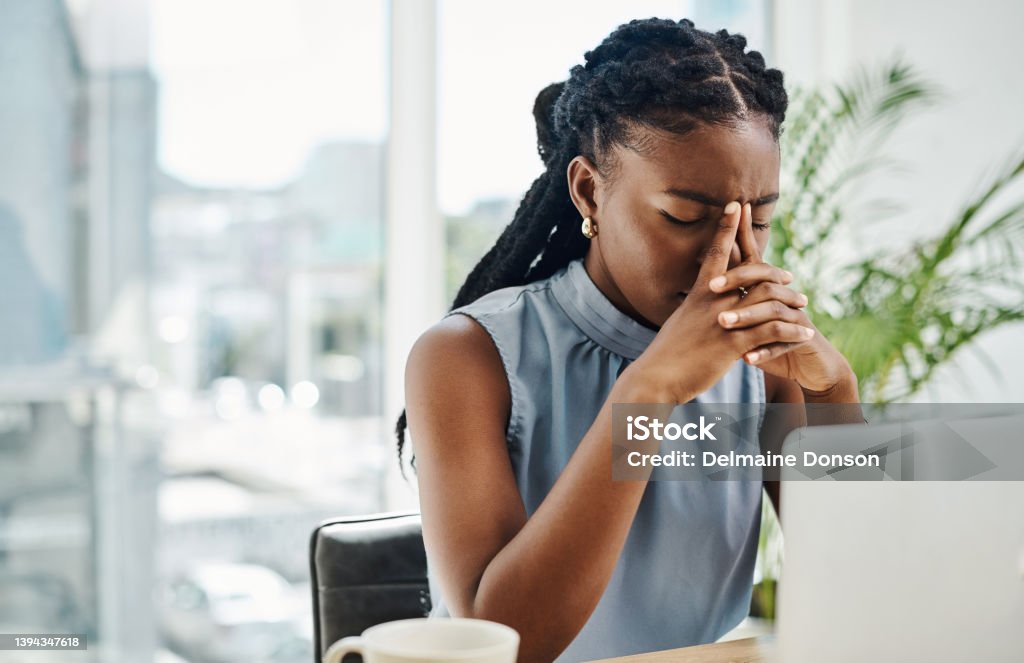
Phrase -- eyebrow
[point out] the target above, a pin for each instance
(708, 200)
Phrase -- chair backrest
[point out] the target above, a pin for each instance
(366, 570)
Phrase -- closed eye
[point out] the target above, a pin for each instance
(680, 222)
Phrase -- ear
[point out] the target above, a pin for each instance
(585, 186)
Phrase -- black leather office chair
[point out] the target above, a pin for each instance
(366, 570)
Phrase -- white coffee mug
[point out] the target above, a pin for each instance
(431, 641)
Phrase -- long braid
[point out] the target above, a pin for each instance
(657, 73)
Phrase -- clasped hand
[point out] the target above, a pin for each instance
(759, 296)
(744, 312)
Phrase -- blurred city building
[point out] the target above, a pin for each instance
(189, 375)
(78, 499)
(276, 287)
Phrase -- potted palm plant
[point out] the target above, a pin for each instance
(898, 310)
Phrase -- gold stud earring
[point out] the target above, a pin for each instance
(589, 228)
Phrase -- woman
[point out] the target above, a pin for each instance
(631, 273)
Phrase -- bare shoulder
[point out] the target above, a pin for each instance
(454, 370)
(459, 333)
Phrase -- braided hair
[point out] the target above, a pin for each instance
(656, 73)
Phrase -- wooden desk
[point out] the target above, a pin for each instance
(747, 650)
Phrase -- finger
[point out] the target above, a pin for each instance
(774, 331)
(767, 291)
(749, 251)
(716, 256)
(770, 351)
(748, 316)
(736, 255)
(748, 275)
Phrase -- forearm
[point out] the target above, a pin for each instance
(796, 407)
(548, 579)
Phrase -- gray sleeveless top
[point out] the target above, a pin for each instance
(684, 576)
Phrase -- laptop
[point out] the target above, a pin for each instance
(886, 570)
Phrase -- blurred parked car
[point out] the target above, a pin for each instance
(38, 603)
(299, 649)
(228, 613)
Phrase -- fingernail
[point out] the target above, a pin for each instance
(788, 274)
(808, 332)
(717, 282)
(729, 317)
(753, 356)
(732, 207)
(803, 299)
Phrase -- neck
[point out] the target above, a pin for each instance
(602, 278)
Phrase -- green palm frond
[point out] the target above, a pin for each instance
(901, 312)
